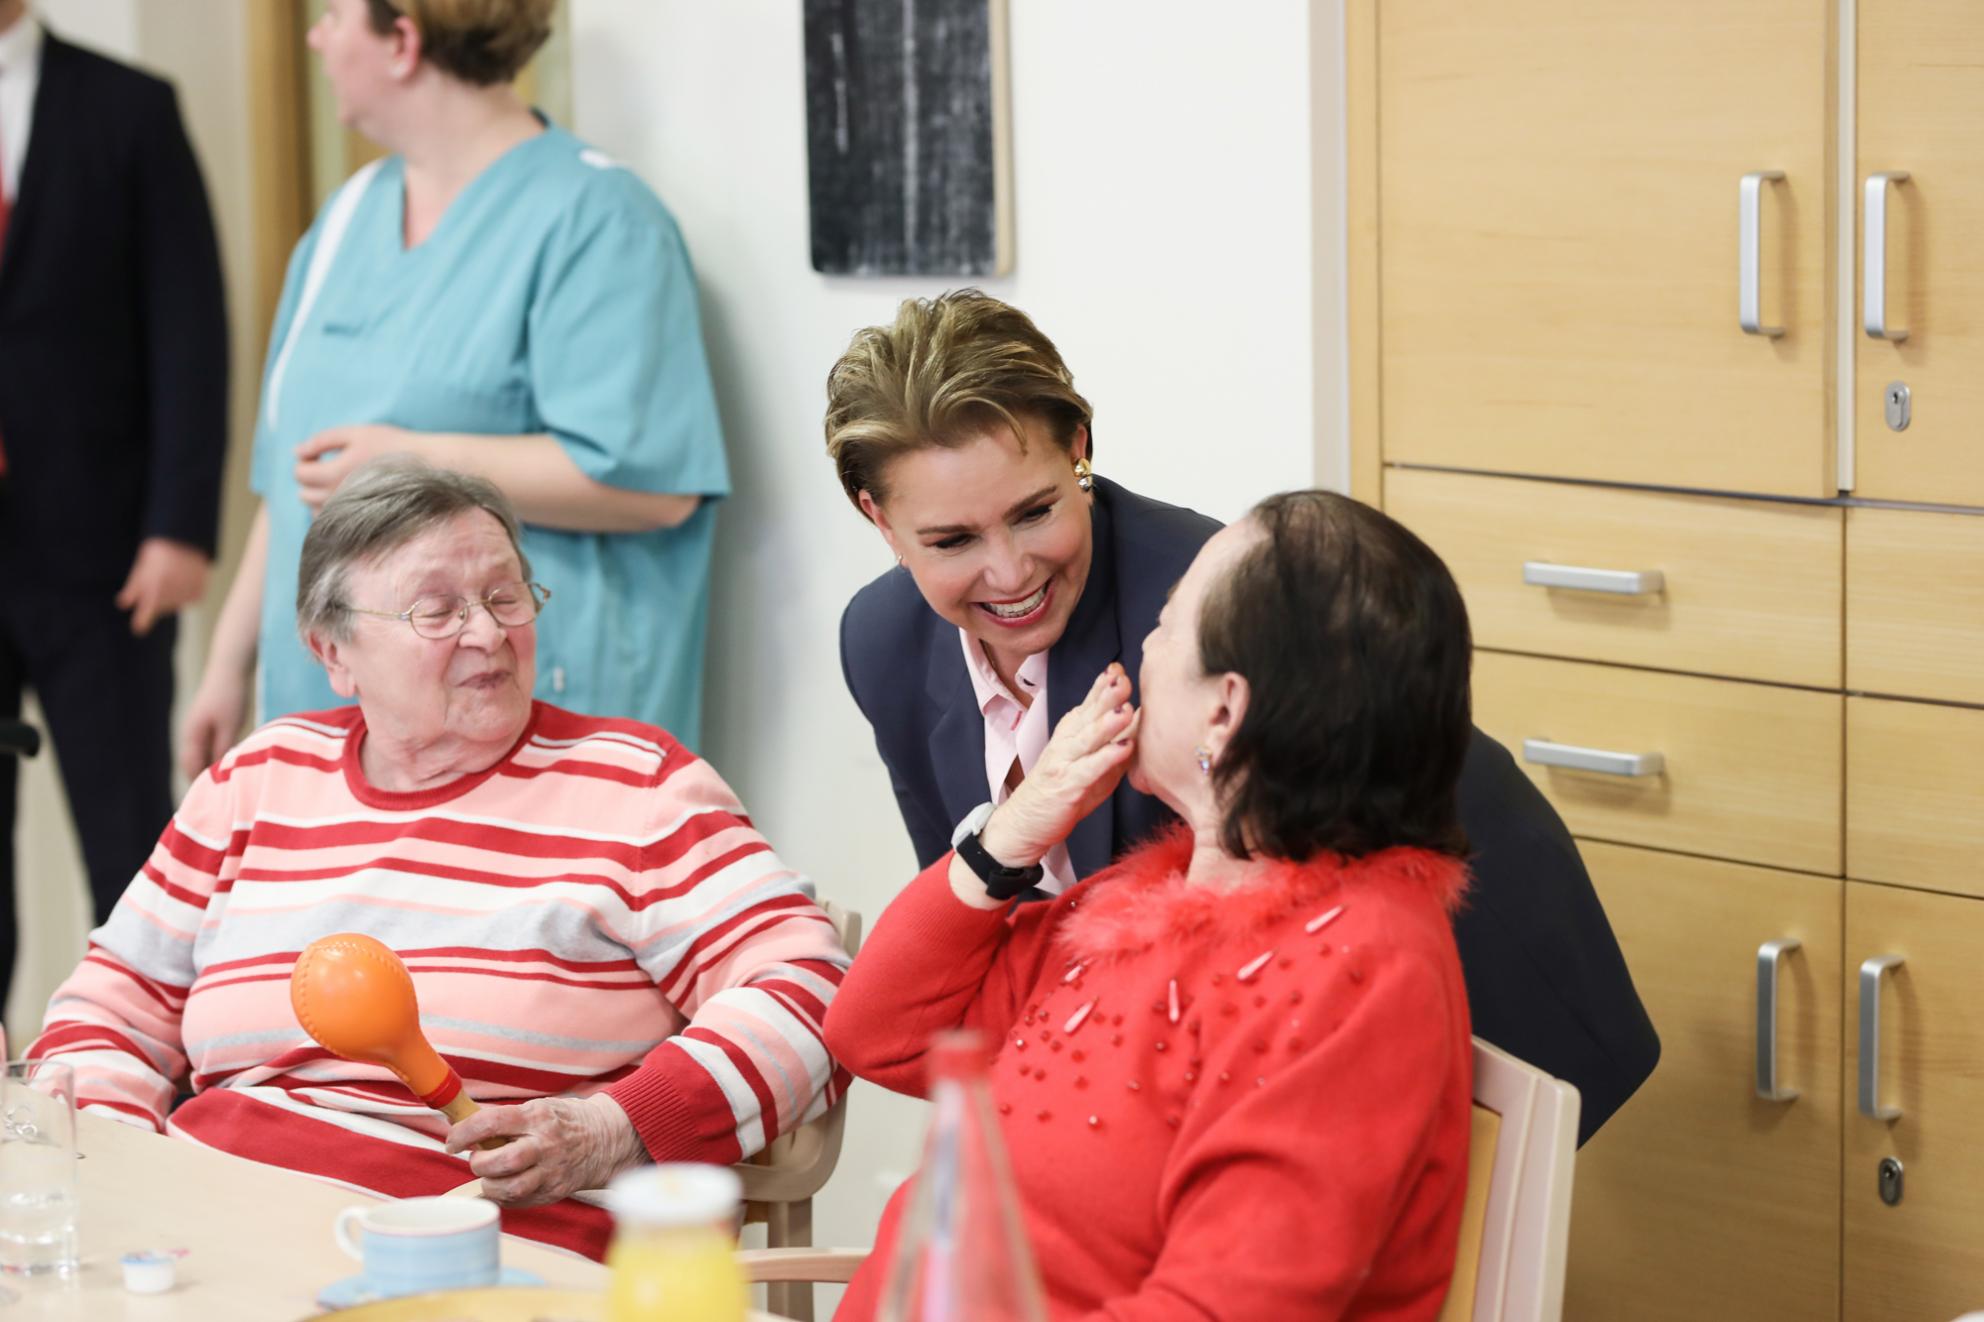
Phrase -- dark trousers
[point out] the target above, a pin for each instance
(107, 698)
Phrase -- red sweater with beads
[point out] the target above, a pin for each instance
(1219, 1104)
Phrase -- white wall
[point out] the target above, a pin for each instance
(199, 44)
(1162, 181)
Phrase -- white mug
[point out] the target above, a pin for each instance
(419, 1244)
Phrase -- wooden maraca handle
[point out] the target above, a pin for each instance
(459, 1108)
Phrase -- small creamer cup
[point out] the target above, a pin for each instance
(419, 1244)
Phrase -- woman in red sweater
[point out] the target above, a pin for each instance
(1233, 1069)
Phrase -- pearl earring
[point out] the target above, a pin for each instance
(1205, 759)
(1084, 475)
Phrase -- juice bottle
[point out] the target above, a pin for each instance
(673, 1244)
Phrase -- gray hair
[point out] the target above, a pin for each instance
(378, 509)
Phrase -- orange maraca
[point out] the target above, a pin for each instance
(354, 996)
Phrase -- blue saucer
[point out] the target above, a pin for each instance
(351, 1290)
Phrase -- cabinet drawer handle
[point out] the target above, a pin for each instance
(1619, 582)
(1875, 259)
(1870, 1038)
(1770, 957)
(1750, 283)
(1569, 756)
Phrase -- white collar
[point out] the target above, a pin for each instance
(20, 45)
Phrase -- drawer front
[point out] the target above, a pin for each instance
(1748, 772)
(1915, 794)
(1750, 589)
(1915, 604)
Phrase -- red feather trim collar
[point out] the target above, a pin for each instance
(1143, 899)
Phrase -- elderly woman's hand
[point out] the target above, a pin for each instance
(558, 1146)
(1082, 763)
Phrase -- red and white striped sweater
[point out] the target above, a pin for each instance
(593, 912)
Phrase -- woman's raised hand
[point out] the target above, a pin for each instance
(1081, 765)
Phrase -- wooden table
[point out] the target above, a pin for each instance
(259, 1237)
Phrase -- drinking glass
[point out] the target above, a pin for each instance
(38, 1202)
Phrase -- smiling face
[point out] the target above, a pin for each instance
(472, 690)
(996, 536)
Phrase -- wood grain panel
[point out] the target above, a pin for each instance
(1915, 604)
(1752, 771)
(1752, 588)
(1915, 794)
(1700, 1199)
(1558, 239)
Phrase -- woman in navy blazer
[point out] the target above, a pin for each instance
(958, 433)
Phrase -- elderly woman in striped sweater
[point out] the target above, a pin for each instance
(614, 960)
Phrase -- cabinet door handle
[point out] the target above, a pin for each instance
(1870, 1038)
(1569, 756)
(1875, 261)
(1619, 582)
(1750, 279)
(1770, 957)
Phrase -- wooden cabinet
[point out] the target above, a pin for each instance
(1920, 102)
(1922, 1257)
(1783, 736)
(1558, 239)
(1702, 1199)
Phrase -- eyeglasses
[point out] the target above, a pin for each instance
(511, 605)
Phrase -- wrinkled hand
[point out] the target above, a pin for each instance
(213, 720)
(559, 1145)
(166, 576)
(329, 457)
(1081, 765)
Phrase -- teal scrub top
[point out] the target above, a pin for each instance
(555, 296)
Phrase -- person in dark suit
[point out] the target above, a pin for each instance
(958, 433)
(113, 429)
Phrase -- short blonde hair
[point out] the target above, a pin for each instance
(478, 41)
(937, 376)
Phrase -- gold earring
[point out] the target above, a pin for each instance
(1084, 475)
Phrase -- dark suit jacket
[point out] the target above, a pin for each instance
(1545, 978)
(113, 332)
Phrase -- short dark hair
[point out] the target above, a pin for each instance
(1354, 642)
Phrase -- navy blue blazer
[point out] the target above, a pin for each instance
(113, 332)
(1545, 979)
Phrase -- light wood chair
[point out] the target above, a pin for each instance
(779, 1182)
(1515, 1224)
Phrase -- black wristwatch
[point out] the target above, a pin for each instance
(1001, 882)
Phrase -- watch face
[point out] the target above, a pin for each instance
(974, 822)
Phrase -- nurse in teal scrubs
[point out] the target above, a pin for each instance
(497, 297)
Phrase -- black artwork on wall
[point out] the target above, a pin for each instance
(906, 137)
